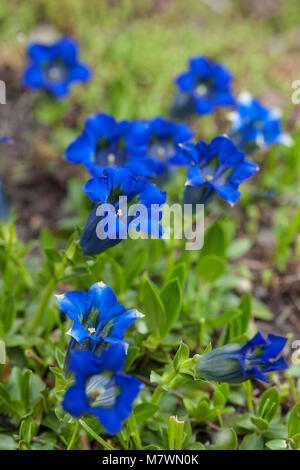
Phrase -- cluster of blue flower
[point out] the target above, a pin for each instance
(122, 157)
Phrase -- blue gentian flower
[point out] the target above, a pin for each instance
(55, 67)
(161, 140)
(235, 363)
(105, 142)
(216, 169)
(117, 221)
(101, 388)
(205, 86)
(96, 316)
(254, 125)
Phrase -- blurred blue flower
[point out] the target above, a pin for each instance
(96, 316)
(205, 86)
(254, 125)
(235, 363)
(105, 142)
(101, 388)
(108, 228)
(216, 169)
(55, 67)
(161, 141)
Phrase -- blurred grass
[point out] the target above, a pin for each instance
(136, 48)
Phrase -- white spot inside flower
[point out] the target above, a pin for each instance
(101, 284)
(208, 177)
(91, 330)
(119, 212)
(245, 98)
(54, 73)
(111, 158)
(60, 296)
(139, 314)
(275, 113)
(161, 153)
(201, 90)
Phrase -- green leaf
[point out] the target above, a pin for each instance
(276, 444)
(225, 319)
(215, 241)
(294, 421)
(238, 248)
(134, 267)
(252, 442)
(181, 355)
(227, 440)
(171, 299)
(7, 442)
(153, 306)
(260, 423)
(268, 404)
(211, 267)
(2, 352)
(175, 433)
(261, 311)
(145, 411)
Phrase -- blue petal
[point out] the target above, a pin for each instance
(67, 49)
(194, 176)
(98, 189)
(109, 418)
(75, 401)
(75, 304)
(185, 81)
(280, 364)
(40, 53)
(33, 77)
(102, 125)
(228, 193)
(85, 363)
(226, 150)
(203, 105)
(80, 72)
(130, 388)
(81, 150)
(122, 322)
(277, 343)
(201, 66)
(113, 358)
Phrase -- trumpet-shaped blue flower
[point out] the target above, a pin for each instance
(205, 86)
(217, 168)
(161, 139)
(124, 202)
(101, 388)
(235, 363)
(96, 316)
(254, 125)
(105, 142)
(55, 67)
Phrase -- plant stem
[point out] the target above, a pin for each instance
(74, 435)
(48, 291)
(159, 391)
(95, 436)
(292, 387)
(132, 425)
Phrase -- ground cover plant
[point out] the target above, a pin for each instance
(131, 340)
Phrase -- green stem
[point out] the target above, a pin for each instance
(132, 425)
(48, 291)
(292, 387)
(95, 436)
(159, 391)
(74, 435)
